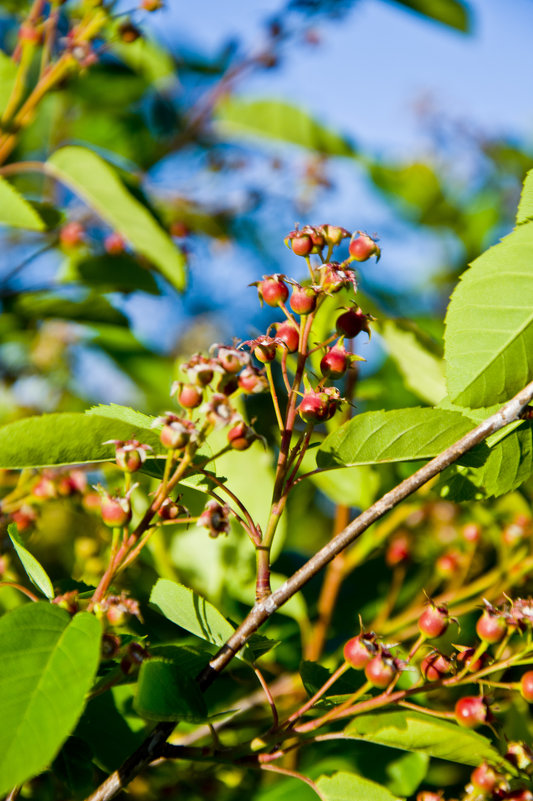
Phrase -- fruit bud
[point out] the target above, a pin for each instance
(435, 666)
(334, 277)
(485, 778)
(491, 627)
(362, 247)
(301, 244)
(360, 650)
(334, 234)
(190, 396)
(215, 517)
(170, 510)
(526, 686)
(231, 359)
(381, 670)
(252, 381)
(265, 350)
(175, 435)
(130, 455)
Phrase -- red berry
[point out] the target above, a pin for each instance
(435, 666)
(241, 436)
(433, 621)
(362, 247)
(427, 795)
(447, 564)
(115, 511)
(273, 291)
(472, 532)
(398, 550)
(190, 396)
(303, 300)
(265, 352)
(351, 323)
(114, 244)
(380, 671)
(252, 381)
(71, 234)
(313, 407)
(289, 334)
(471, 711)
(464, 657)
(359, 651)
(151, 5)
(526, 686)
(485, 778)
(300, 243)
(491, 628)
(335, 362)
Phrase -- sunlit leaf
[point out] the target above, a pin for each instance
(15, 210)
(351, 787)
(34, 570)
(453, 13)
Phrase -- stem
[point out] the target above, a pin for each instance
(295, 775)
(318, 695)
(26, 57)
(274, 395)
(250, 526)
(270, 699)
(31, 595)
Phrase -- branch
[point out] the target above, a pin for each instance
(150, 749)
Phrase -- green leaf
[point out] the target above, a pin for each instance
(96, 182)
(34, 570)
(165, 692)
(278, 120)
(121, 273)
(148, 59)
(350, 787)
(68, 438)
(407, 772)
(525, 207)
(48, 664)
(187, 609)
(8, 73)
(398, 435)
(413, 731)
(93, 309)
(453, 13)
(314, 676)
(489, 324)
(15, 209)
(422, 370)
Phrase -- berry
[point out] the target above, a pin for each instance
(151, 5)
(335, 362)
(313, 406)
(301, 244)
(175, 435)
(471, 711)
(303, 300)
(433, 621)
(289, 335)
(114, 244)
(526, 686)
(129, 460)
(241, 436)
(464, 657)
(265, 352)
(362, 247)
(352, 322)
(491, 628)
(359, 651)
(169, 510)
(435, 666)
(472, 532)
(398, 551)
(252, 381)
(231, 359)
(190, 396)
(380, 671)
(273, 291)
(447, 564)
(115, 511)
(128, 32)
(520, 755)
(427, 795)
(71, 234)
(485, 778)
(333, 234)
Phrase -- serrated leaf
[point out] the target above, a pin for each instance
(48, 664)
(350, 787)
(66, 438)
(192, 612)
(16, 211)
(453, 13)
(409, 730)
(525, 207)
(34, 570)
(398, 435)
(489, 324)
(96, 182)
(166, 692)
(278, 120)
(422, 370)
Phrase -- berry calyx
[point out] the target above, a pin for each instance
(272, 290)
(380, 671)
(352, 322)
(335, 362)
(303, 300)
(491, 627)
(288, 333)
(358, 651)
(471, 711)
(526, 686)
(362, 247)
(433, 621)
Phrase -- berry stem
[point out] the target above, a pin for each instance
(317, 696)
(274, 395)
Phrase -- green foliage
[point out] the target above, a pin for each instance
(454, 13)
(15, 209)
(47, 667)
(349, 787)
(34, 570)
(422, 370)
(165, 692)
(95, 182)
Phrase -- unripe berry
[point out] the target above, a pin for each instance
(362, 247)
(303, 300)
(288, 333)
(129, 460)
(300, 244)
(273, 291)
(526, 686)
(352, 322)
(71, 234)
(359, 651)
(169, 510)
(252, 381)
(433, 621)
(335, 362)
(175, 435)
(471, 711)
(241, 436)
(435, 666)
(491, 628)
(265, 352)
(190, 396)
(114, 244)
(116, 511)
(333, 234)
(380, 671)
(485, 778)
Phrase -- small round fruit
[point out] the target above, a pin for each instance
(115, 511)
(303, 300)
(491, 628)
(359, 651)
(241, 436)
(362, 247)
(289, 334)
(380, 671)
(313, 407)
(273, 291)
(526, 686)
(398, 551)
(485, 778)
(471, 711)
(335, 362)
(265, 352)
(433, 621)
(300, 244)
(190, 396)
(114, 244)
(351, 323)
(435, 666)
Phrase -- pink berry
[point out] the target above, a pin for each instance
(190, 396)
(313, 406)
(71, 234)
(114, 244)
(526, 686)
(241, 436)
(115, 511)
(359, 651)
(433, 621)
(303, 300)
(273, 291)
(362, 247)
(472, 532)
(485, 778)
(491, 628)
(300, 244)
(174, 435)
(289, 334)
(335, 362)
(398, 551)
(380, 671)
(471, 711)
